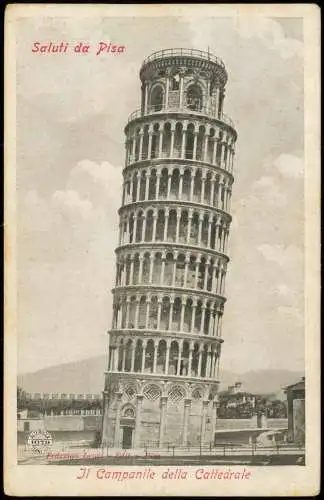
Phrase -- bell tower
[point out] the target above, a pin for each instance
(165, 342)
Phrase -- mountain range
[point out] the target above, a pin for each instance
(87, 376)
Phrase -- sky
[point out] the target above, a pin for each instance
(71, 112)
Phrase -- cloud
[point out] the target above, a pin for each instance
(99, 182)
(270, 33)
(282, 255)
(289, 166)
(266, 187)
(71, 203)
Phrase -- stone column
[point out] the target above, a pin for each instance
(141, 145)
(192, 186)
(172, 141)
(171, 314)
(124, 358)
(143, 356)
(148, 301)
(162, 269)
(147, 185)
(201, 218)
(214, 151)
(160, 143)
(202, 325)
(187, 403)
(149, 149)
(218, 233)
(183, 145)
(178, 224)
(191, 348)
(183, 305)
(165, 235)
(203, 421)
(138, 186)
(163, 406)
(219, 194)
(140, 271)
(117, 423)
(166, 105)
(211, 321)
(217, 323)
(134, 229)
(181, 89)
(146, 98)
(167, 357)
(156, 344)
(214, 357)
(139, 401)
(195, 146)
(143, 228)
(159, 313)
(127, 312)
(180, 184)
(199, 362)
(206, 147)
(220, 324)
(202, 196)
(133, 356)
(232, 162)
(154, 226)
(222, 157)
(131, 190)
(185, 278)
(210, 221)
(193, 318)
(189, 224)
(137, 313)
(206, 272)
(158, 176)
(197, 270)
(217, 102)
(208, 362)
(174, 268)
(151, 268)
(116, 359)
(133, 148)
(179, 357)
(229, 199)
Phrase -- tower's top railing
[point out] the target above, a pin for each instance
(139, 113)
(200, 54)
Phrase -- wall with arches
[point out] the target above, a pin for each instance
(193, 227)
(172, 182)
(197, 140)
(162, 412)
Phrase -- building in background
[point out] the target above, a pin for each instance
(165, 343)
(39, 404)
(296, 411)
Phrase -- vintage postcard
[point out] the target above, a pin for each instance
(162, 267)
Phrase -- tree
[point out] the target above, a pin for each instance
(22, 399)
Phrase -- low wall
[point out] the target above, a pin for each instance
(277, 423)
(235, 423)
(250, 423)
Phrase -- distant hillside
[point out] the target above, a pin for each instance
(87, 376)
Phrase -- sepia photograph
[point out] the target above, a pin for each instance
(158, 201)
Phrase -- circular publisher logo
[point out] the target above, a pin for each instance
(39, 441)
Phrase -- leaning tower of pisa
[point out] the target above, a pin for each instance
(165, 342)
